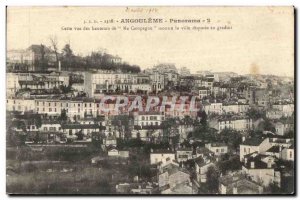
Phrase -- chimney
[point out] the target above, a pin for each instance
(252, 165)
(234, 190)
(269, 164)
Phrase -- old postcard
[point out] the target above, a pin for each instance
(150, 100)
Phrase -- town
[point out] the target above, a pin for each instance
(74, 126)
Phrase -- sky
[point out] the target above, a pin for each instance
(261, 40)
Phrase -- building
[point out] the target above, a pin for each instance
(235, 122)
(251, 145)
(153, 118)
(32, 57)
(287, 109)
(202, 164)
(171, 177)
(114, 152)
(213, 108)
(235, 108)
(262, 169)
(282, 127)
(217, 148)
(20, 104)
(157, 81)
(287, 153)
(80, 131)
(184, 154)
(161, 156)
(203, 92)
(238, 183)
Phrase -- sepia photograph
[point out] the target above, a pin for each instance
(150, 100)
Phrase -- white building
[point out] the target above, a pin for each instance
(162, 157)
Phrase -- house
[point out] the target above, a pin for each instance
(217, 148)
(274, 114)
(282, 127)
(50, 126)
(261, 169)
(251, 145)
(286, 108)
(180, 189)
(184, 129)
(260, 145)
(203, 92)
(110, 141)
(171, 176)
(235, 108)
(148, 119)
(238, 183)
(213, 108)
(274, 151)
(162, 156)
(157, 80)
(80, 131)
(203, 152)
(114, 152)
(184, 154)
(147, 133)
(235, 122)
(287, 153)
(202, 164)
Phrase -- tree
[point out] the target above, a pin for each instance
(268, 126)
(54, 43)
(212, 180)
(63, 115)
(68, 56)
(42, 62)
(230, 137)
(203, 120)
(170, 128)
(255, 114)
(123, 123)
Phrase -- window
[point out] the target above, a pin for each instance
(50, 109)
(291, 154)
(45, 129)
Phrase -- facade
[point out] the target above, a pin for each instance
(262, 169)
(184, 154)
(239, 123)
(161, 156)
(238, 183)
(217, 148)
